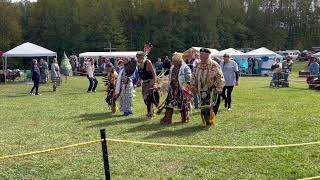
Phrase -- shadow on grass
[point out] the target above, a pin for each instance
(20, 94)
(147, 127)
(14, 95)
(115, 122)
(188, 131)
(98, 116)
(288, 89)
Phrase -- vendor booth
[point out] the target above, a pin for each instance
(130, 54)
(260, 60)
(238, 56)
(26, 50)
(214, 52)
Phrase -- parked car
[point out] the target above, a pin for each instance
(294, 54)
(305, 56)
(284, 54)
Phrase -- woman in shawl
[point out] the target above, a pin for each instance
(179, 94)
(124, 86)
(55, 74)
(43, 66)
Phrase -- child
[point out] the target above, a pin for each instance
(110, 79)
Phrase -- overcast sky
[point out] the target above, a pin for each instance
(20, 0)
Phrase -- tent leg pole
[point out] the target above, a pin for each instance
(2, 65)
(5, 70)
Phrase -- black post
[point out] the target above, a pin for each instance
(105, 154)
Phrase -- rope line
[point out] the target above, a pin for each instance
(49, 150)
(213, 147)
(310, 178)
(157, 144)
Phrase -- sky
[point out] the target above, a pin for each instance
(20, 0)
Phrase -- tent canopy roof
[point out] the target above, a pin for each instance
(213, 51)
(232, 52)
(29, 50)
(131, 54)
(262, 52)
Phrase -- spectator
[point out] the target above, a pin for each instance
(55, 74)
(43, 66)
(35, 71)
(286, 69)
(230, 71)
(159, 66)
(166, 65)
(276, 69)
(93, 82)
(314, 67)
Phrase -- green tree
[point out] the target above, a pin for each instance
(10, 27)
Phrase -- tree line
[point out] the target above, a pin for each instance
(77, 26)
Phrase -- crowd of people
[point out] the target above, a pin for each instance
(281, 72)
(40, 74)
(195, 80)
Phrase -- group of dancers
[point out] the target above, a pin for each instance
(208, 81)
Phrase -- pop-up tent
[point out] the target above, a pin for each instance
(27, 50)
(238, 56)
(213, 52)
(232, 53)
(131, 54)
(197, 49)
(262, 52)
(266, 56)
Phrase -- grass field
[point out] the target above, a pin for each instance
(260, 116)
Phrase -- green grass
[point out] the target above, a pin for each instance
(260, 116)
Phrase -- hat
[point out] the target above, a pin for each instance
(140, 53)
(226, 55)
(205, 50)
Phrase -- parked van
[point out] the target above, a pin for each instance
(284, 54)
(294, 54)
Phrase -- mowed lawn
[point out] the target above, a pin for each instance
(260, 116)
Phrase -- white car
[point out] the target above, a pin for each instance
(294, 54)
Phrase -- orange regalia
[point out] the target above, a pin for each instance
(179, 93)
(110, 79)
(208, 81)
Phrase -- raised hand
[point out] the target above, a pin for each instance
(147, 48)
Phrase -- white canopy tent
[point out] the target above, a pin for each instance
(131, 54)
(27, 50)
(262, 52)
(232, 53)
(317, 54)
(213, 51)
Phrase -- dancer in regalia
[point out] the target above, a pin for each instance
(148, 77)
(179, 91)
(124, 86)
(110, 79)
(207, 81)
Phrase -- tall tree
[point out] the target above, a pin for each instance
(10, 27)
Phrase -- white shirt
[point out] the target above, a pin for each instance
(90, 70)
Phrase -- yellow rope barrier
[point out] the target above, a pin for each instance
(213, 147)
(49, 150)
(310, 178)
(157, 144)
